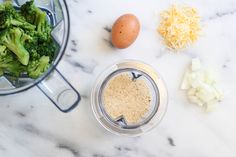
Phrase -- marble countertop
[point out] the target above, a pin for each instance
(30, 126)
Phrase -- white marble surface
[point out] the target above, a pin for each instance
(30, 126)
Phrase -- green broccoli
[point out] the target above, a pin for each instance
(1, 72)
(26, 44)
(2, 49)
(10, 16)
(37, 67)
(9, 64)
(36, 17)
(14, 40)
(46, 48)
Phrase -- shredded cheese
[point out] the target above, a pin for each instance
(180, 27)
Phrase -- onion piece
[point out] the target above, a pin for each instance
(201, 86)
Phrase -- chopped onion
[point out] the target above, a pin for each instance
(201, 86)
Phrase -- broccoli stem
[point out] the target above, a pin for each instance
(19, 51)
(40, 21)
(24, 25)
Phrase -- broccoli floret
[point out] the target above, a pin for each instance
(26, 37)
(46, 48)
(7, 6)
(38, 66)
(2, 48)
(26, 44)
(7, 20)
(14, 40)
(9, 64)
(36, 17)
(9, 16)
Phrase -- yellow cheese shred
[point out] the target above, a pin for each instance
(179, 27)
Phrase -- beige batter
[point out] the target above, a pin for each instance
(127, 97)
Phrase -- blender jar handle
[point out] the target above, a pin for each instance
(61, 93)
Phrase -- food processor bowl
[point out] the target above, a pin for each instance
(158, 104)
(52, 83)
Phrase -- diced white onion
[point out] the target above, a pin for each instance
(201, 86)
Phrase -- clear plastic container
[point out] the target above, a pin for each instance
(158, 102)
(52, 83)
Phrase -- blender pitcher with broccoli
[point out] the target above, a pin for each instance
(33, 39)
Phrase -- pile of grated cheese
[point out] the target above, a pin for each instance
(180, 27)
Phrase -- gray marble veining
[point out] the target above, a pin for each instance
(30, 126)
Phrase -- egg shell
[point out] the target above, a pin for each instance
(125, 31)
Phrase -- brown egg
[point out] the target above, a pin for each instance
(125, 31)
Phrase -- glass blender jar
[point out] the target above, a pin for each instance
(158, 98)
(52, 83)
